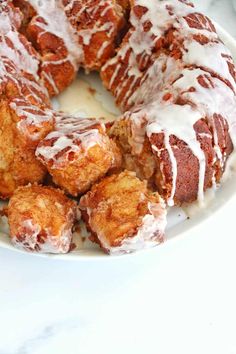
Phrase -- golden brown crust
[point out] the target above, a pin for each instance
(27, 11)
(88, 155)
(125, 4)
(144, 164)
(99, 26)
(56, 70)
(115, 208)
(138, 78)
(95, 27)
(102, 21)
(123, 85)
(187, 183)
(18, 164)
(24, 115)
(41, 219)
(157, 167)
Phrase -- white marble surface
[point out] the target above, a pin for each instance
(180, 299)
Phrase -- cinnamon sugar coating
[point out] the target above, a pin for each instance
(24, 117)
(169, 73)
(71, 34)
(78, 153)
(123, 215)
(176, 83)
(41, 219)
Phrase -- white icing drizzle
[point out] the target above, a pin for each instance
(87, 34)
(102, 49)
(174, 168)
(31, 115)
(12, 47)
(149, 234)
(162, 119)
(208, 56)
(216, 98)
(19, 65)
(144, 90)
(51, 243)
(52, 11)
(54, 18)
(72, 135)
(60, 18)
(50, 80)
(142, 43)
(19, 55)
(97, 12)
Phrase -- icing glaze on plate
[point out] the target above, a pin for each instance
(86, 97)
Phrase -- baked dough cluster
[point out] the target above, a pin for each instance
(172, 78)
(122, 215)
(41, 219)
(175, 81)
(78, 153)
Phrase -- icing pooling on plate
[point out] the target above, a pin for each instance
(94, 100)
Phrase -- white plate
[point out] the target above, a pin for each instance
(79, 98)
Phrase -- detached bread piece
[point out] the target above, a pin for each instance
(78, 154)
(123, 215)
(41, 219)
